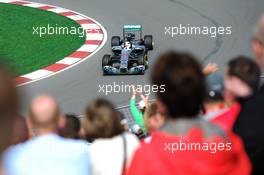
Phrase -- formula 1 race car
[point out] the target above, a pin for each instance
(130, 54)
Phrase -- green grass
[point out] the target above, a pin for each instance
(26, 52)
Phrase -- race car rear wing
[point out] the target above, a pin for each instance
(133, 29)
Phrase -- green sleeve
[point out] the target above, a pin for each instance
(136, 114)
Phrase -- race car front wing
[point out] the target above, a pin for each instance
(110, 70)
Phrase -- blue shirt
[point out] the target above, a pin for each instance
(48, 155)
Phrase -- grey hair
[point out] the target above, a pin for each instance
(258, 32)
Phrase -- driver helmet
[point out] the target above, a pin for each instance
(127, 45)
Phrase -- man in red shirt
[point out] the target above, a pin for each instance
(186, 144)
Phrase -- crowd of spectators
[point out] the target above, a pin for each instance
(204, 123)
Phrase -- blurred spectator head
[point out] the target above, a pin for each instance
(183, 79)
(258, 42)
(153, 120)
(8, 108)
(44, 115)
(214, 88)
(101, 120)
(20, 132)
(242, 77)
(72, 126)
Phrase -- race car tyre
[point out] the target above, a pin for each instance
(148, 42)
(141, 60)
(115, 41)
(106, 60)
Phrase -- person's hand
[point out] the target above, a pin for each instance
(134, 91)
(210, 68)
(145, 99)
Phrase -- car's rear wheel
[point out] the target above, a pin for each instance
(148, 42)
(115, 41)
(106, 60)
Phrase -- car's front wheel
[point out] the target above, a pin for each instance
(141, 60)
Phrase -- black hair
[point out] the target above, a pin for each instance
(246, 69)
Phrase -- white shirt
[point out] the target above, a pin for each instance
(48, 155)
(107, 155)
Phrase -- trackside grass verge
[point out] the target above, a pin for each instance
(25, 51)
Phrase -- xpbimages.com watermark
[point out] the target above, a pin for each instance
(183, 145)
(42, 31)
(107, 89)
(211, 31)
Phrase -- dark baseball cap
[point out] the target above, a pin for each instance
(214, 87)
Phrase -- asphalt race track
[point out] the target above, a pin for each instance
(75, 87)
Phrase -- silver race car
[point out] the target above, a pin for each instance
(130, 54)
